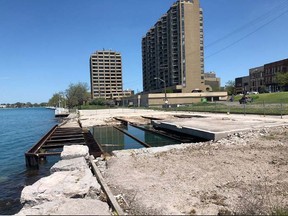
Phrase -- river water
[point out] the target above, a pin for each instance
(20, 129)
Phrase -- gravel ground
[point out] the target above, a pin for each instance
(242, 174)
(245, 173)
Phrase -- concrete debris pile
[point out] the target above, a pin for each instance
(71, 189)
(244, 138)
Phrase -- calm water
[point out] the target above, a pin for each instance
(112, 139)
(154, 140)
(20, 129)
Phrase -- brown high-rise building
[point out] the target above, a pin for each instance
(106, 75)
(172, 50)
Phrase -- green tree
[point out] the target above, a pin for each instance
(98, 101)
(230, 87)
(282, 79)
(29, 104)
(56, 99)
(262, 89)
(77, 94)
(19, 105)
(43, 104)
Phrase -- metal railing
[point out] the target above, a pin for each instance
(263, 108)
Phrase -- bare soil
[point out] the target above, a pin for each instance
(245, 173)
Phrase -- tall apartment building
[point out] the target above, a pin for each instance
(172, 50)
(106, 75)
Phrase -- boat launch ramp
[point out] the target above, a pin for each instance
(59, 136)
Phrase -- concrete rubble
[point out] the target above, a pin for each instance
(68, 207)
(75, 151)
(69, 165)
(71, 188)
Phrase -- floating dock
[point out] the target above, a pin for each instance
(53, 142)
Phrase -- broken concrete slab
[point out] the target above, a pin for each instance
(70, 165)
(75, 151)
(68, 207)
(68, 184)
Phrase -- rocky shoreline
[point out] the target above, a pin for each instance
(70, 189)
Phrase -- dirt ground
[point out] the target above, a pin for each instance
(245, 173)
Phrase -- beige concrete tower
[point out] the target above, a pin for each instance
(172, 50)
(106, 75)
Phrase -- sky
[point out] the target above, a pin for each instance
(45, 45)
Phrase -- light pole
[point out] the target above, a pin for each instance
(165, 93)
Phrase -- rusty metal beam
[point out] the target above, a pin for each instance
(57, 138)
(65, 140)
(133, 137)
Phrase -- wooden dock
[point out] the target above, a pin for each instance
(53, 142)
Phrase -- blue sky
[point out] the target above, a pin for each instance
(45, 44)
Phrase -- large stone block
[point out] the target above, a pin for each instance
(75, 151)
(70, 165)
(68, 184)
(68, 207)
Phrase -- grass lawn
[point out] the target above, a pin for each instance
(278, 97)
(263, 104)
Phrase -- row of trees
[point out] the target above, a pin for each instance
(75, 95)
(23, 105)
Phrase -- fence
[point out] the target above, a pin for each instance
(260, 108)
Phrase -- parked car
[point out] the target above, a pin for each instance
(252, 92)
(245, 99)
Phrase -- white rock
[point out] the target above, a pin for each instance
(154, 150)
(70, 165)
(68, 207)
(68, 184)
(75, 151)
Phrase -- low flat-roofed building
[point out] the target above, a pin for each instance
(173, 99)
